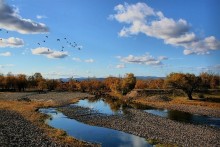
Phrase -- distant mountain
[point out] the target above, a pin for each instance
(102, 79)
(148, 77)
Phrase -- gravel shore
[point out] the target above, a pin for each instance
(149, 126)
(17, 131)
(58, 97)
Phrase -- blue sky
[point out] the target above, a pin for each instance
(146, 37)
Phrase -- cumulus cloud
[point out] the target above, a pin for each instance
(146, 59)
(57, 54)
(49, 53)
(119, 66)
(140, 18)
(12, 21)
(6, 54)
(11, 42)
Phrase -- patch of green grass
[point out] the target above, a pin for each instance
(153, 141)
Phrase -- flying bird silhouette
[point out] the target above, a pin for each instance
(58, 39)
(38, 43)
(46, 36)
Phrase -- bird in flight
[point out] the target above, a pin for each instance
(58, 39)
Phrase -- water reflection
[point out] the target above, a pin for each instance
(105, 136)
(113, 106)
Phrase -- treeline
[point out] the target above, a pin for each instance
(186, 82)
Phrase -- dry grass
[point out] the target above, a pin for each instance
(28, 111)
(181, 101)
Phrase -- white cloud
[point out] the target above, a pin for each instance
(6, 54)
(41, 51)
(140, 18)
(12, 21)
(11, 42)
(57, 54)
(49, 53)
(76, 59)
(59, 74)
(89, 60)
(41, 16)
(202, 46)
(119, 66)
(7, 65)
(146, 59)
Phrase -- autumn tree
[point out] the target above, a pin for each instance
(113, 84)
(41, 85)
(186, 82)
(156, 84)
(10, 81)
(72, 84)
(21, 82)
(51, 84)
(209, 80)
(2, 83)
(141, 84)
(128, 83)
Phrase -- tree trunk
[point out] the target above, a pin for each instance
(189, 94)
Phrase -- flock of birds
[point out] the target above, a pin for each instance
(69, 43)
(63, 46)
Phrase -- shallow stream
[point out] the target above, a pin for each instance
(109, 107)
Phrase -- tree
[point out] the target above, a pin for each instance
(21, 82)
(41, 85)
(51, 84)
(10, 81)
(209, 80)
(128, 83)
(141, 84)
(113, 84)
(186, 82)
(2, 81)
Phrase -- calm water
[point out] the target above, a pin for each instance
(109, 106)
(105, 136)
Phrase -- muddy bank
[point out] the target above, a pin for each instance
(149, 126)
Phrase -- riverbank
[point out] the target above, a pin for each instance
(167, 101)
(134, 121)
(22, 125)
(148, 126)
